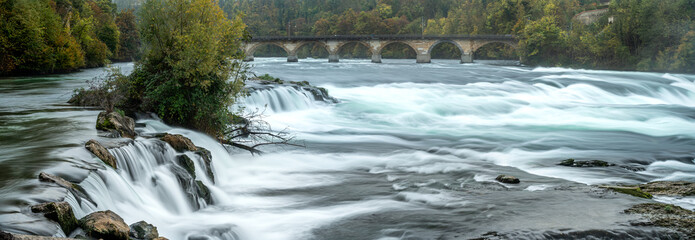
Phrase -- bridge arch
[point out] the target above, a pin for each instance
(363, 43)
(445, 41)
(478, 45)
(252, 49)
(304, 43)
(376, 54)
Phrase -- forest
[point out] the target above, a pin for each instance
(45, 36)
(52, 36)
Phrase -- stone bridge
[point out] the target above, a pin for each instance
(422, 45)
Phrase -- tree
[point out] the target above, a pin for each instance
(191, 52)
(129, 37)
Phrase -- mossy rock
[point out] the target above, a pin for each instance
(143, 230)
(634, 191)
(666, 215)
(591, 163)
(186, 163)
(669, 188)
(60, 212)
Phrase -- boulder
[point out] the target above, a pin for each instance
(179, 142)
(591, 163)
(105, 225)
(678, 188)
(186, 163)
(507, 179)
(60, 212)
(631, 190)
(114, 121)
(100, 151)
(143, 231)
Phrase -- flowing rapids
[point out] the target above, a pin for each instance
(410, 151)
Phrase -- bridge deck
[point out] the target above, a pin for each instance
(381, 37)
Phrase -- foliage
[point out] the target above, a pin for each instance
(192, 52)
(129, 37)
(48, 36)
(105, 92)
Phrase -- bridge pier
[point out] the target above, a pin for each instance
(292, 58)
(333, 58)
(467, 57)
(424, 58)
(376, 58)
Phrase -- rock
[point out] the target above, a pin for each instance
(178, 142)
(12, 236)
(204, 192)
(207, 159)
(186, 163)
(161, 238)
(74, 188)
(115, 121)
(105, 225)
(507, 179)
(631, 190)
(60, 212)
(679, 188)
(100, 151)
(666, 215)
(45, 177)
(143, 231)
(592, 163)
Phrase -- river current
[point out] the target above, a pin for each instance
(410, 151)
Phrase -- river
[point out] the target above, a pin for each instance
(409, 152)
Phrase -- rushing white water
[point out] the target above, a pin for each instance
(411, 152)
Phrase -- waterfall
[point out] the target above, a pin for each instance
(288, 98)
(155, 183)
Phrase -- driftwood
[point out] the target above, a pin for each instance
(252, 132)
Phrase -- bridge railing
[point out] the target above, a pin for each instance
(380, 37)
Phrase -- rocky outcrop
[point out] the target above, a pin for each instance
(507, 179)
(591, 163)
(60, 212)
(100, 151)
(143, 231)
(631, 190)
(665, 215)
(679, 188)
(207, 159)
(45, 177)
(179, 142)
(204, 192)
(114, 121)
(105, 225)
(186, 163)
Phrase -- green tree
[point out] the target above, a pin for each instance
(191, 52)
